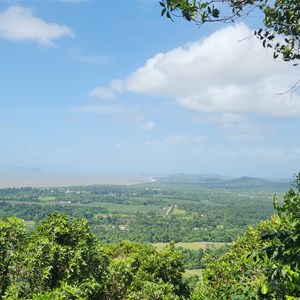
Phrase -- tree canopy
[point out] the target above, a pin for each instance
(62, 259)
(280, 27)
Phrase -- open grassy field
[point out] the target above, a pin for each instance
(47, 198)
(177, 211)
(124, 208)
(192, 246)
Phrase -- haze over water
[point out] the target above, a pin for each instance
(40, 178)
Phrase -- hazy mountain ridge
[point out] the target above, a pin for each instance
(219, 181)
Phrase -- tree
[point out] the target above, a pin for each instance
(234, 275)
(139, 271)
(12, 230)
(282, 249)
(280, 30)
(61, 257)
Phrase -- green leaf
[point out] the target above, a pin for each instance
(163, 11)
(264, 289)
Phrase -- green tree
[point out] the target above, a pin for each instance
(280, 30)
(282, 249)
(60, 256)
(139, 271)
(234, 275)
(12, 230)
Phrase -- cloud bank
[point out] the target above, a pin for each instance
(18, 23)
(223, 73)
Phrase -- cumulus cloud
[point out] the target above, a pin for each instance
(223, 73)
(115, 86)
(19, 24)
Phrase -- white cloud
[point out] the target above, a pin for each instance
(116, 86)
(19, 24)
(102, 93)
(223, 73)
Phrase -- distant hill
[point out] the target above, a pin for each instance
(251, 182)
(226, 182)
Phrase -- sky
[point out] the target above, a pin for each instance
(112, 87)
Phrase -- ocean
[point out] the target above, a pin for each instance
(39, 178)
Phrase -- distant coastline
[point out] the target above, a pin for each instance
(39, 178)
(29, 177)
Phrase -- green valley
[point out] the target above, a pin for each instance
(179, 208)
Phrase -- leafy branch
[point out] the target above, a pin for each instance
(281, 30)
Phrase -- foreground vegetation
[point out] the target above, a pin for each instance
(62, 259)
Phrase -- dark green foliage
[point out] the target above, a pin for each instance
(234, 275)
(60, 254)
(282, 249)
(62, 259)
(283, 19)
(145, 272)
(192, 259)
(12, 230)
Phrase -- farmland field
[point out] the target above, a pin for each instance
(192, 246)
(190, 210)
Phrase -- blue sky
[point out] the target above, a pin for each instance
(111, 87)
